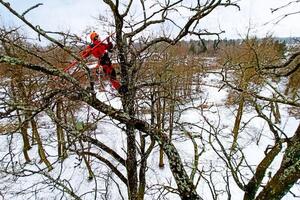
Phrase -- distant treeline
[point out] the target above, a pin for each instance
(211, 46)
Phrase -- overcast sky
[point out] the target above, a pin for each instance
(76, 15)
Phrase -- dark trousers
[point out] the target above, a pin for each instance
(108, 69)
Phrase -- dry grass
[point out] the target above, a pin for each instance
(7, 128)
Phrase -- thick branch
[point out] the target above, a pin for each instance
(285, 64)
(104, 148)
(288, 173)
(254, 183)
(108, 163)
(47, 70)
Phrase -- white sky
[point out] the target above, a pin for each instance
(77, 15)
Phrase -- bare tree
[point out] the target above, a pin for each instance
(131, 46)
(130, 60)
(258, 70)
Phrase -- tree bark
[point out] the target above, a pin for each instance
(255, 182)
(237, 122)
(61, 143)
(288, 173)
(41, 149)
(23, 125)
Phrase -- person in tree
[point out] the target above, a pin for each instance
(100, 50)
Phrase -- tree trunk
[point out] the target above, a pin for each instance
(24, 132)
(131, 164)
(23, 125)
(172, 103)
(237, 122)
(142, 171)
(159, 126)
(61, 143)
(41, 149)
(86, 161)
(131, 161)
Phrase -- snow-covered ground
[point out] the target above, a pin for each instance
(254, 139)
(73, 173)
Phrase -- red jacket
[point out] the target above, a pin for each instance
(96, 49)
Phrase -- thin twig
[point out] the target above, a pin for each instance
(31, 8)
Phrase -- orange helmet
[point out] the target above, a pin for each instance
(94, 36)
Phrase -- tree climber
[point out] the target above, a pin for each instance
(100, 50)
